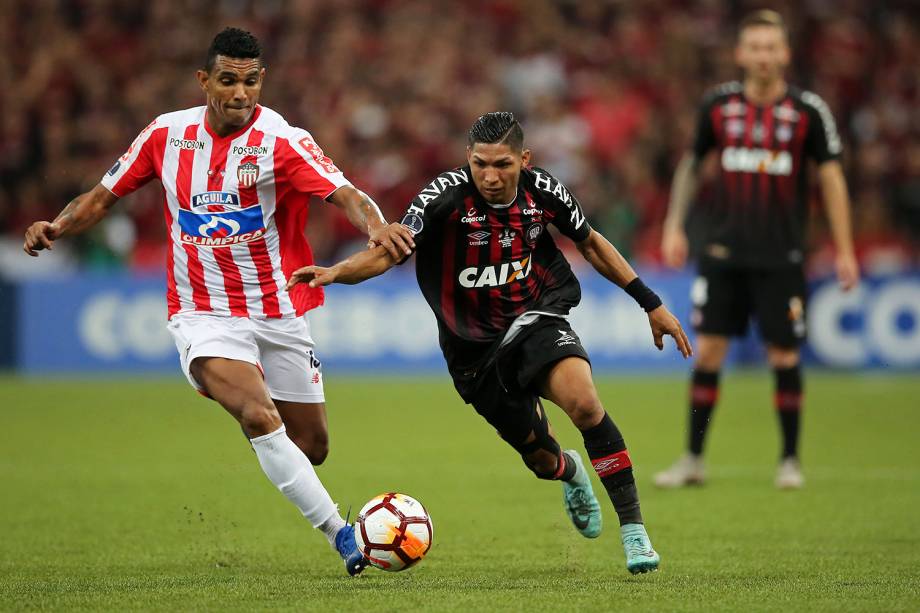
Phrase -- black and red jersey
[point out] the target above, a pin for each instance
(759, 212)
(480, 266)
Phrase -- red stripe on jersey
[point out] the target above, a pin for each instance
(172, 295)
(515, 220)
(766, 179)
(797, 148)
(785, 186)
(495, 259)
(259, 253)
(747, 177)
(200, 295)
(448, 280)
(473, 319)
(258, 250)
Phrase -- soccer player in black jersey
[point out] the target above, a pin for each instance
(501, 290)
(751, 259)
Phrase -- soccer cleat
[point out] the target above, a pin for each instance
(580, 502)
(640, 557)
(789, 475)
(688, 470)
(345, 544)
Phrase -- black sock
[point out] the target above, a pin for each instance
(704, 391)
(789, 407)
(567, 467)
(607, 451)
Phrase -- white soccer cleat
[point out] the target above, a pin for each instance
(688, 470)
(789, 475)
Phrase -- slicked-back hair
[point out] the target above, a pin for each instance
(764, 17)
(235, 43)
(497, 127)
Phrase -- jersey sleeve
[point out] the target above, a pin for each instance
(565, 210)
(308, 169)
(136, 167)
(704, 138)
(822, 142)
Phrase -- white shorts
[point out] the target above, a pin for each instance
(281, 348)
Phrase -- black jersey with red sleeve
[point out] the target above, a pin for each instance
(759, 211)
(480, 266)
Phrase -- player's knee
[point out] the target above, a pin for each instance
(314, 446)
(258, 419)
(782, 358)
(586, 411)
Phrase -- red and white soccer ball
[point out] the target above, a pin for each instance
(393, 531)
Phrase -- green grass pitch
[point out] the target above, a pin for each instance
(140, 495)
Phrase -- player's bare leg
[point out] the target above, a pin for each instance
(711, 350)
(239, 387)
(569, 384)
(785, 362)
(306, 425)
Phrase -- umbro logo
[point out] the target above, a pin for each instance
(604, 464)
(565, 339)
(480, 237)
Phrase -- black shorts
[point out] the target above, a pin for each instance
(505, 393)
(725, 298)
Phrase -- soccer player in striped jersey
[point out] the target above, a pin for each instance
(237, 180)
(501, 290)
(751, 260)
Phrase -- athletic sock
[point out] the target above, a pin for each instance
(289, 469)
(331, 527)
(567, 467)
(607, 451)
(704, 392)
(789, 407)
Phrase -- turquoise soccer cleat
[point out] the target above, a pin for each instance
(580, 502)
(640, 557)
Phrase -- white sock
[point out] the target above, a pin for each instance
(331, 527)
(291, 472)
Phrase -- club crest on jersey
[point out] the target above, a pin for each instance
(221, 229)
(784, 133)
(495, 275)
(480, 237)
(247, 174)
(534, 232)
(734, 127)
(506, 237)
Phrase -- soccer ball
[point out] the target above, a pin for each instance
(393, 531)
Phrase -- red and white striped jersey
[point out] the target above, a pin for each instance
(235, 208)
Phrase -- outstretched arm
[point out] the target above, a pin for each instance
(674, 245)
(359, 267)
(365, 215)
(82, 213)
(606, 260)
(837, 204)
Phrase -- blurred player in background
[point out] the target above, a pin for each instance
(501, 291)
(237, 180)
(751, 259)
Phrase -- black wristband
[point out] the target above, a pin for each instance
(640, 292)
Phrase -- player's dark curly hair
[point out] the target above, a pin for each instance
(497, 127)
(235, 43)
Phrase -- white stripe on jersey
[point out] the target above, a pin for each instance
(180, 258)
(827, 121)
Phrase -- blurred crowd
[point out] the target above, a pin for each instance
(607, 92)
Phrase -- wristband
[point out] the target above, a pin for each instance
(640, 292)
